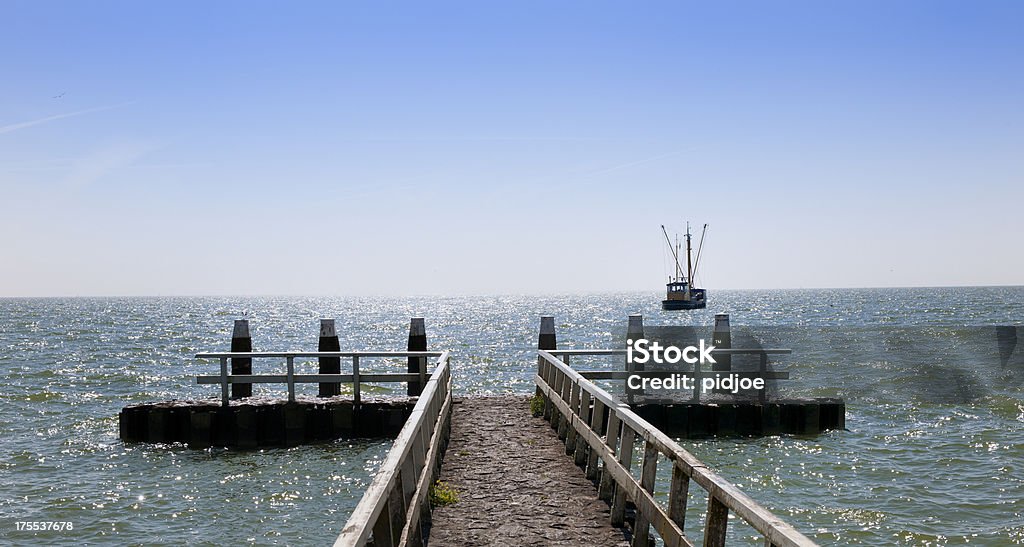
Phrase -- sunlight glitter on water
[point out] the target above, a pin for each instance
(930, 457)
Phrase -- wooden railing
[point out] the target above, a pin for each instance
(600, 432)
(357, 378)
(397, 505)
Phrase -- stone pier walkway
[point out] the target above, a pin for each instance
(515, 484)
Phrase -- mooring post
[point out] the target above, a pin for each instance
(417, 365)
(224, 381)
(634, 332)
(721, 338)
(241, 342)
(355, 382)
(329, 365)
(546, 341)
(290, 378)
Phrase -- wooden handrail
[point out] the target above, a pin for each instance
(576, 407)
(290, 378)
(261, 354)
(397, 502)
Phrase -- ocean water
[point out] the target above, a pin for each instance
(933, 454)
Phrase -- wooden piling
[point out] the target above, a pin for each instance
(546, 341)
(200, 425)
(329, 365)
(634, 331)
(294, 425)
(241, 341)
(247, 427)
(271, 425)
(223, 427)
(417, 365)
(721, 338)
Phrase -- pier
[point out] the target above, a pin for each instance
(514, 483)
(574, 465)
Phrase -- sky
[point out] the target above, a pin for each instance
(401, 148)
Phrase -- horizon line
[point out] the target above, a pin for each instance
(478, 295)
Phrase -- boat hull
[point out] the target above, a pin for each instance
(683, 304)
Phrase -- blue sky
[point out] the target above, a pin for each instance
(507, 147)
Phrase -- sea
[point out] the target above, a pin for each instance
(932, 454)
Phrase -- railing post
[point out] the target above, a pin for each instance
(634, 331)
(291, 379)
(556, 413)
(566, 395)
(574, 412)
(580, 456)
(717, 522)
(649, 469)
(597, 424)
(241, 342)
(329, 365)
(547, 375)
(626, 459)
(382, 528)
(224, 381)
(355, 381)
(417, 365)
(677, 496)
(612, 441)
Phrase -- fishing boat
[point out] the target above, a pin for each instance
(680, 292)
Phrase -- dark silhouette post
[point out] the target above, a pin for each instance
(634, 332)
(417, 342)
(329, 365)
(241, 342)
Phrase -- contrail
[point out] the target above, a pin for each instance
(636, 162)
(23, 125)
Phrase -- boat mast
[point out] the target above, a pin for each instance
(689, 263)
(674, 249)
(679, 269)
(700, 247)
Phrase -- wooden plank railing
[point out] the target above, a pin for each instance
(600, 432)
(397, 504)
(357, 378)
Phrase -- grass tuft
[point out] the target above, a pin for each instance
(442, 494)
(537, 406)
